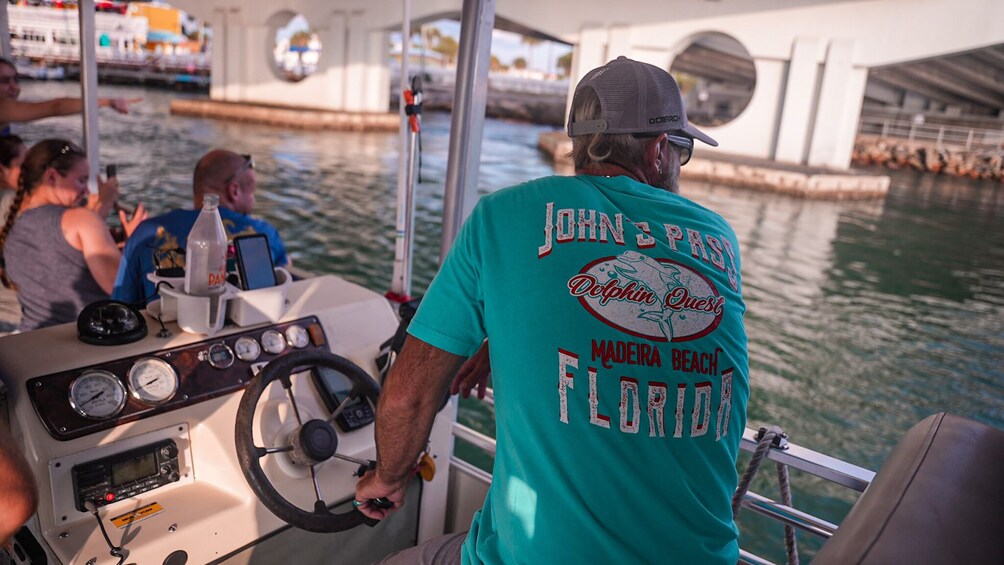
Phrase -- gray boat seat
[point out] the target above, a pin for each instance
(938, 498)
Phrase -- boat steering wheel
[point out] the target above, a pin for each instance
(313, 442)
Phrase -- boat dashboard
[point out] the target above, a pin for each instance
(145, 438)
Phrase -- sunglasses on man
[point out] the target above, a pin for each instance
(248, 164)
(684, 144)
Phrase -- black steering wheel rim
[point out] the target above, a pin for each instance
(321, 519)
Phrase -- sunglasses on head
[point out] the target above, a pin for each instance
(684, 144)
(248, 164)
(65, 150)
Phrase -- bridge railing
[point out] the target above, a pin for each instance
(942, 136)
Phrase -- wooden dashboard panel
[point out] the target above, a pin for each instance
(198, 381)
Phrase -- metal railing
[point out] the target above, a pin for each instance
(797, 457)
(939, 135)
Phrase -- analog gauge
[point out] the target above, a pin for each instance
(247, 348)
(273, 342)
(296, 336)
(152, 380)
(97, 395)
(220, 355)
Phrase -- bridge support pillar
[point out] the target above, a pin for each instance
(333, 39)
(840, 97)
(799, 101)
(590, 52)
(228, 32)
(351, 75)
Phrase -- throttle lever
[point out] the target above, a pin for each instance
(382, 502)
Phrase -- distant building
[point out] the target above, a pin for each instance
(54, 34)
(164, 33)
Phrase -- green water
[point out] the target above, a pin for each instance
(863, 317)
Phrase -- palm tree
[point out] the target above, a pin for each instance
(448, 47)
(430, 36)
(564, 63)
(530, 43)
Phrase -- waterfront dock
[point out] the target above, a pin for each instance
(749, 172)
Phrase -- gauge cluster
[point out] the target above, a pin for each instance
(82, 401)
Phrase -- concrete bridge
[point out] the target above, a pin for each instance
(811, 57)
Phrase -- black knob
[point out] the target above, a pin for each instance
(166, 469)
(169, 451)
(174, 477)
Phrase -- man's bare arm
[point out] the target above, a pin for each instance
(18, 496)
(412, 394)
(15, 111)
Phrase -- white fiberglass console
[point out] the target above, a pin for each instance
(145, 433)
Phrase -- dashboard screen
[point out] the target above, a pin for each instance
(134, 469)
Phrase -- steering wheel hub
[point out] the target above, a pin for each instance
(315, 442)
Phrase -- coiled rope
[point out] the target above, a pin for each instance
(765, 439)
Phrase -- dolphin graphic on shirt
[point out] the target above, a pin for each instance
(660, 278)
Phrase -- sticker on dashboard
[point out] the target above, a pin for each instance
(136, 515)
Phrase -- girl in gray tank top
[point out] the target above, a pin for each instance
(58, 254)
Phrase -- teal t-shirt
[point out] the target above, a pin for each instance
(614, 317)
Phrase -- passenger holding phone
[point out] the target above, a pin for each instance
(159, 240)
(58, 254)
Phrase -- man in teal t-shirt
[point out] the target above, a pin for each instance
(614, 317)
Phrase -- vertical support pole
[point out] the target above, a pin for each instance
(941, 136)
(400, 284)
(89, 86)
(969, 139)
(885, 128)
(4, 32)
(468, 120)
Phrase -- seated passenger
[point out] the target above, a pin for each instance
(58, 254)
(221, 172)
(12, 150)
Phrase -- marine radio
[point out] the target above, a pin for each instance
(124, 475)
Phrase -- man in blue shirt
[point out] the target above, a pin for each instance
(158, 239)
(613, 312)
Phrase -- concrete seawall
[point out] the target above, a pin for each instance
(747, 172)
(286, 116)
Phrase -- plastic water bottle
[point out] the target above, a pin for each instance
(206, 256)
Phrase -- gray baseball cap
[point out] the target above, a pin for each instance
(635, 97)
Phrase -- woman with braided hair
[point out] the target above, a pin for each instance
(58, 253)
(12, 152)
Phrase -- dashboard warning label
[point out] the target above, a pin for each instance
(136, 515)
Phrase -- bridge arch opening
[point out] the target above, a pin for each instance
(295, 49)
(716, 76)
